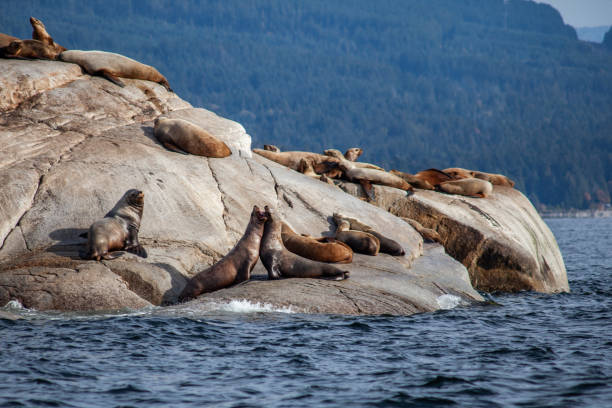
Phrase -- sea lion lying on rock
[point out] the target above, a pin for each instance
(367, 176)
(292, 159)
(307, 166)
(420, 182)
(183, 136)
(112, 66)
(318, 249)
(353, 154)
(387, 245)
(493, 178)
(467, 187)
(358, 241)
(29, 49)
(428, 234)
(118, 230)
(39, 32)
(280, 262)
(233, 268)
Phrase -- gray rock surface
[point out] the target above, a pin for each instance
(72, 147)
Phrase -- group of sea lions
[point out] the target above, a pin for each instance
(335, 165)
(106, 64)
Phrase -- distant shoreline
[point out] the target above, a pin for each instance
(576, 214)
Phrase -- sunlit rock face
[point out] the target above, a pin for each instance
(72, 144)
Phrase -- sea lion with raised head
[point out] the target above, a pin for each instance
(428, 234)
(468, 187)
(233, 268)
(358, 241)
(322, 249)
(118, 230)
(367, 176)
(39, 32)
(112, 66)
(181, 135)
(29, 49)
(387, 245)
(353, 154)
(280, 262)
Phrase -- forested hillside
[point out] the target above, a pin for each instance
(486, 84)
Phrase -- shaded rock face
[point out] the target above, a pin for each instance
(72, 147)
(501, 239)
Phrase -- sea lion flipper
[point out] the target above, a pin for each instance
(114, 79)
(367, 187)
(174, 148)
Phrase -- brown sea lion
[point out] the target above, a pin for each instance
(39, 32)
(353, 153)
(280, 262)
(458, 173)
(428, 234)
(358, 241)
(433, 176)
(29, 49)
(387, 245)
(292, 159)
(368, 176)
(112, 66)
(6, 39)
(235, 267)
(181, 135)
(467, 187)
(318, 249)
(118, 230)
(414, 181)
(271, 148)
(307, 167)
(495, 179)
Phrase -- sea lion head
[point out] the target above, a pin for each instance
(353, 153)
(258, 216)
(271, 148)
(35, 21)
(268, 213)
(134, 197)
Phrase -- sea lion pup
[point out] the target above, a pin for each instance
(387, 245)
(271, 148)
(183, 136)
(111, 66)
(368, 176)
(495, 179)
(467, 187)
(29, 49)
(428, 234)
(6, 39)
(118, 230)
(280, 262)
(318, 249)
(414, 181)
(359, 241)
(235, 267)
(39, 32)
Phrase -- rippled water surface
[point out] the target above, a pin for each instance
(531, 350)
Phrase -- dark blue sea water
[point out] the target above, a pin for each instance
(531, 350)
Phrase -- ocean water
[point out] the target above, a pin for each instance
(521, 350)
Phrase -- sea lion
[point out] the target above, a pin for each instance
(433, 176)
(271, 148)
(353, 153)
(307, 167)
(416, 182)
(181, 135)
(111, 66)
(39, 32)
(428, 234)
(6, 39)
(323, 249)
(458, 173)
(118, 230)
(493, 178)
(235, 267)
(280, 262)
(467, 187)
(292, 159)
(387, 245)
(367, 176)
(359, 241)
(29, 49)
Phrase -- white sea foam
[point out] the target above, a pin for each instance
(449, 301)
(245, 306)
(14, 304)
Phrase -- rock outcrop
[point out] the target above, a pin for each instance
(71, 146)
